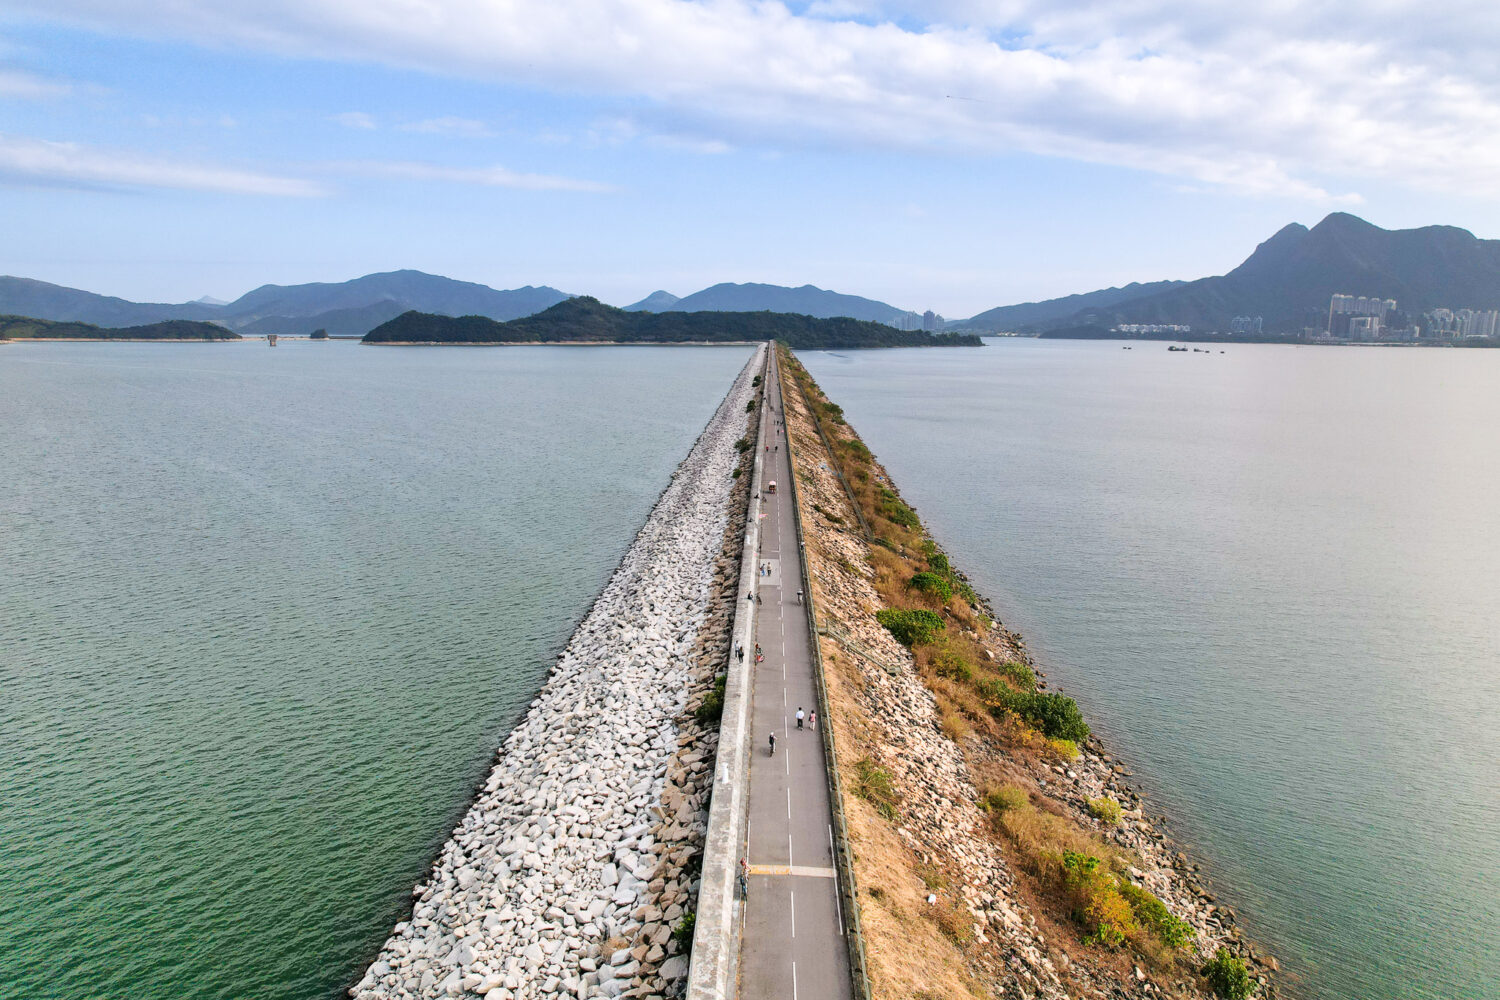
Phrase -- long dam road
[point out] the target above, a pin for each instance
(793, 934)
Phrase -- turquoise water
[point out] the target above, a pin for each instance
(264, 617)
(1272, 579)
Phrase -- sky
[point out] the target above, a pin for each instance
(953, 155)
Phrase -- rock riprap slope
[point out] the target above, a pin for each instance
(555, 884)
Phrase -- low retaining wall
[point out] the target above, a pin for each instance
(552, 884)
(716, 935)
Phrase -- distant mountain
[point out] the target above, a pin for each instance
(585, 319)
(412, 289)
(806, 301)
(209, 300)
(1289, 278)
(28, 297)
(1031, 314)
(26, 327)
(339, 306)
(657, 301)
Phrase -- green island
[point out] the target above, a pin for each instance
(26, 328)
(587, 320)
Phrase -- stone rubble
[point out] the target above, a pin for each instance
(578, 859)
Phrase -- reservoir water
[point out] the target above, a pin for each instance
(1271, 577)
(265, 616)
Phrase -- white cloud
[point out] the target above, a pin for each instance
(464, 128)
(16, 83)
(38, 161)
(1284, 97)
(354, 119)
(484, 176)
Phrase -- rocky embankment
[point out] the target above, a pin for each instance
(578, 860)
(943, 911)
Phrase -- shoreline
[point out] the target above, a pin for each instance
(573, 871)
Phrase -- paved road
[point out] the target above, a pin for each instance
(793, 945)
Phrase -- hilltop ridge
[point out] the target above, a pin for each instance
(584, 319)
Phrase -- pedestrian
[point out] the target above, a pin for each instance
(739, 653)
(812, 720)
(799, 597)
(750, 596)
(799, 716)
(773, 744)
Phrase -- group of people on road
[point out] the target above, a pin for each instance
(810, 718)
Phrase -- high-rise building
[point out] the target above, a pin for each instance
(1342, 309)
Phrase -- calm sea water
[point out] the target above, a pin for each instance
(1272, 579)
(264, 617)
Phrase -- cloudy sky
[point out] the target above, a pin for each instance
(954, 155)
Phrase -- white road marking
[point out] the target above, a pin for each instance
(794, 981)
(793, 896)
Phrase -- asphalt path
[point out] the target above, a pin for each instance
(793, 943)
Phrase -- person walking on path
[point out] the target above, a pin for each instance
(799, 716)
(773, 744)
(812, 720)
(799, 597)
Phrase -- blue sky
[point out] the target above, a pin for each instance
(951, 155)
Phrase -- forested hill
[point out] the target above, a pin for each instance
(24, 327)
(585, 319)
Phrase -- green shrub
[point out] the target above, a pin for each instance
(857, 450)
(937, 562)
(736, 473)
(1228, 976)
(932, 585)
(742, 445)
(1079, 869)
(1020, 673)
(914, 627)
(1003, 799)
(1101, 908)
(898, 513)
(951, 663)
(1056, 715)
(683, 932)
(834, 411)
(756, 380)
(712, 706)
(1153, 913)
(1066, 749)
(1105, 809)
(874, 786)
(750, 406)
